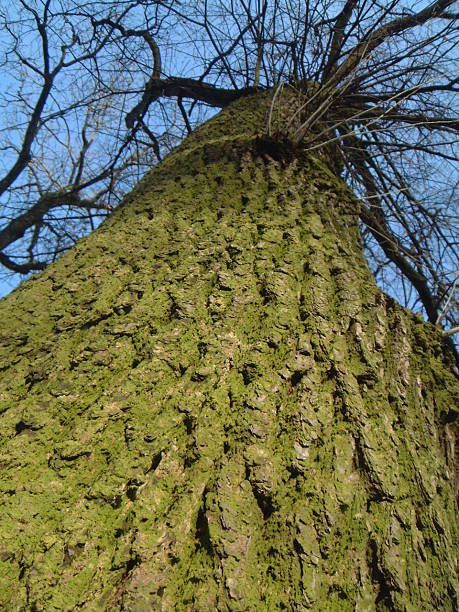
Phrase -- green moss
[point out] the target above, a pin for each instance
(208, 404)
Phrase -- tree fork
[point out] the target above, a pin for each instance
(208, 403)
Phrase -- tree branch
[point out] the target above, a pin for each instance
(376, 38)
(185, 88)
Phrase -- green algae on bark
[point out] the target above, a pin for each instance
(208, 404)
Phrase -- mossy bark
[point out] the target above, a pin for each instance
(209, 405)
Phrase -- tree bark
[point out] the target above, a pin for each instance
(209, 405)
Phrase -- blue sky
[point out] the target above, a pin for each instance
(9, 283)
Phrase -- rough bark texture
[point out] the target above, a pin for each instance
(209, 405)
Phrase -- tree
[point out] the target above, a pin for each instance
(98, 91)
(208, 403)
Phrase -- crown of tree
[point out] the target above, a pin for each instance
(97, 92)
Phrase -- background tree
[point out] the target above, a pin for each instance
(97, 92)
(208, 403)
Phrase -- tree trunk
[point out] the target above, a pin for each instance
(209, 405)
